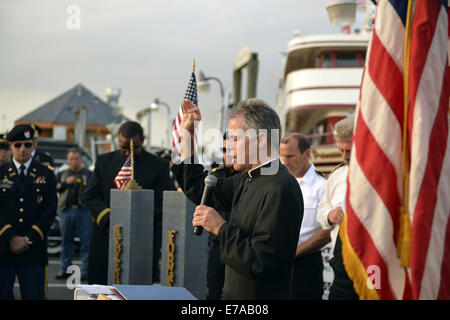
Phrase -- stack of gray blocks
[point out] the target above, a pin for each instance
(191, 251)
(133, 210)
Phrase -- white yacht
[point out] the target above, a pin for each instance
(319, 86)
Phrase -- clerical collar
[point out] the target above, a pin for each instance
(257, 171)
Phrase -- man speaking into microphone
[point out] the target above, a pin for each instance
(259, 240)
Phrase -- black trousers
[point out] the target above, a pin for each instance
(31, 280)
(215, 274)
(342, 286)
(98, 257)
(307, 277)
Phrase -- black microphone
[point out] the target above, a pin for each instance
(210, 183)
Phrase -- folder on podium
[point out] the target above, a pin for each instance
(153, 292)
(131, 292)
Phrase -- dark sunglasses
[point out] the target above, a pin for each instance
(17, 145)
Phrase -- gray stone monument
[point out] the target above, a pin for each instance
(131, 237)
(184, 256)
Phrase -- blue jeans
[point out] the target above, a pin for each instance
(71, 220)
(31, 280)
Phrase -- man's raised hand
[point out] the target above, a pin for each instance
(191, 114)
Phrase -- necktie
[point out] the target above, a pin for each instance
(22, 173)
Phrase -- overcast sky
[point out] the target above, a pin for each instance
(145, 48)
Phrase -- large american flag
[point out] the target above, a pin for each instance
(124, 175)
(191, 95)
(400, 163)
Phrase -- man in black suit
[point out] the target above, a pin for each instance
(150, 172)
(28, 207)
(258, 241)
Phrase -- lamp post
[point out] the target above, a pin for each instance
(155, 106)
(203, 87)
(147, 112)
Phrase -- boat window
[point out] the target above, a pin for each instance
(317, 134)
(327, 61)
(362, 58)
(346, 59)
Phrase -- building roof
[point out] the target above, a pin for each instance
(62, 109)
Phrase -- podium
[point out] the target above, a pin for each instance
(184, 255)
(155, 292)
(130, 257)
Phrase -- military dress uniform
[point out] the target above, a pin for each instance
(27, 209)
(45, 158)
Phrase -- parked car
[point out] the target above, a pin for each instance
(58, 150)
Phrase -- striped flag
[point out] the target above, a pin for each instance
(124, 175)
(191, 95)
(396, 231)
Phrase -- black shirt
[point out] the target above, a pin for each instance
(259, 241)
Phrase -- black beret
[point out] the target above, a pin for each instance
(21, 132)
(3, 140)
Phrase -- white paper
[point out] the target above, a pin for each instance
(96, 289)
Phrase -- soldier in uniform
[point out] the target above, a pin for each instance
(28, 200)
(5, 150)
(150, 172)
(42, 157)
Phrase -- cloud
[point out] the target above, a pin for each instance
(143, 47)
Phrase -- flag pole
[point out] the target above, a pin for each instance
(132, 158)
(132, 184)
(404, 234)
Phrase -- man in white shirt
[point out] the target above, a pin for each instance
(307, 276)
(330, 212)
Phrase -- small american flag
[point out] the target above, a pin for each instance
(124, 175)
(191, 95)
